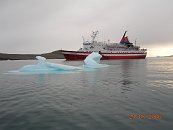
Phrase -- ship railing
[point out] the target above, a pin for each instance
(86, 43)
(143, 49)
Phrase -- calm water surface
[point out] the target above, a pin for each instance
(102, 99)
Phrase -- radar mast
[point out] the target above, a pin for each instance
(94, 34)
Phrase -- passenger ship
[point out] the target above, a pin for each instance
(109, 51)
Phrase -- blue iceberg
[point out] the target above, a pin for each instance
(93, 61)
(42, 67)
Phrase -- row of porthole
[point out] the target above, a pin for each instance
(128, 52)
(122, 52)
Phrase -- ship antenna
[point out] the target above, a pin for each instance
(135, 41)
(94, 34)
(83, 39)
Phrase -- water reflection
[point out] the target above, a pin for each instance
(132, 72)
(160, 72)
(92, 78)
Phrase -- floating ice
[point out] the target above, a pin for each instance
(93, 61)
(43, 67)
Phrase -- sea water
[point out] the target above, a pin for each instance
(102, 99)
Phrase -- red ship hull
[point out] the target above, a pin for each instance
(76, 55)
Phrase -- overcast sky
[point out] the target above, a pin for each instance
(37, 26)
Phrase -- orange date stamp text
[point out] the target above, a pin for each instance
(144, 116)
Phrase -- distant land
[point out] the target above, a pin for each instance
(169, 56)
(52, 55)
(165, 56)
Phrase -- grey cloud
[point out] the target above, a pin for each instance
(33, 26)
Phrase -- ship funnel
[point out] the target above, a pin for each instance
(124, 39)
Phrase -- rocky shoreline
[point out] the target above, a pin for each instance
(52, 55)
